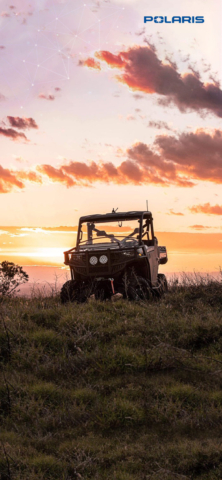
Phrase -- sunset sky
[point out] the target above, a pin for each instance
(99, 110)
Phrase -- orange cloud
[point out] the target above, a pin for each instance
(142, 167)
(15, 179)
(90, 63)
(171, 212)
(141, 70)
(199, 227)
(30, 176)
(9, 180)
(114, 61)
(207, 208)
(172, 160)
(55, 174)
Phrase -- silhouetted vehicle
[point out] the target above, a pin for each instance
(115, 253)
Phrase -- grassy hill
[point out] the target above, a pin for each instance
(119, 391)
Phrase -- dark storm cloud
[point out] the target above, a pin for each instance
(12, 134)
(159, 125)
(141, 70)
(22, 123)
(198, 154)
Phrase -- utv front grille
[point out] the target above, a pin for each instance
(99, 269)
(115, 261)
(116, 268)
(81, 270)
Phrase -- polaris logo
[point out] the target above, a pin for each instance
(160, 19)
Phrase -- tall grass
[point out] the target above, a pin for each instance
(103, 390)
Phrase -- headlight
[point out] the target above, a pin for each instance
(93, 260)
(103, 259)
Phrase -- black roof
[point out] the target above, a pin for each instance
(115, 216)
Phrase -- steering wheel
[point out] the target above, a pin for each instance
(126, 241)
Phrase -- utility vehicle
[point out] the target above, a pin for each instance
(115, 253)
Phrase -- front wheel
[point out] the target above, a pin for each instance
(73, 291)
(138, 289)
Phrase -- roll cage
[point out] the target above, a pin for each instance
(145, 228)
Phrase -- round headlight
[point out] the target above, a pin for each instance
(93, 260)
(103, 259)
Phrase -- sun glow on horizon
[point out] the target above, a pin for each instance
(39, 252)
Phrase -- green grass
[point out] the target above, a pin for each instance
(117, 391)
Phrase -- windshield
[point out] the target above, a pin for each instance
(124, 232)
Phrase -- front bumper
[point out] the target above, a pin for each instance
(117, 260)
